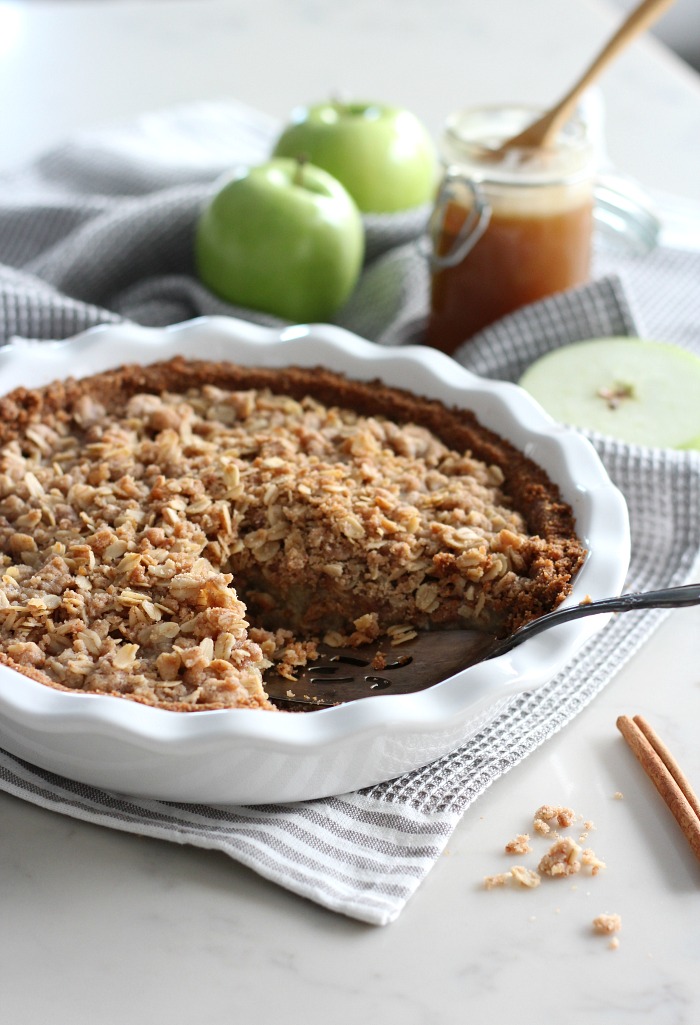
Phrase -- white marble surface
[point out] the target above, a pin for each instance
(99, 926)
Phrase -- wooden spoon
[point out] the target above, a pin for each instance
(541, 133)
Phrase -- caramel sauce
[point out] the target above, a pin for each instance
(521, 257)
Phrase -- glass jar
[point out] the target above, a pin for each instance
(507, 229)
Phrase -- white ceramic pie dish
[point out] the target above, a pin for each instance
(242, 756)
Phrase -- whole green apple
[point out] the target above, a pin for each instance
(383, 155)
(284, 238)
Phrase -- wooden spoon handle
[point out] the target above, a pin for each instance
(543, 131)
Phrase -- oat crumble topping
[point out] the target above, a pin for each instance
(167, 533)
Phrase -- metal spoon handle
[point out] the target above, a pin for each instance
(665, 598)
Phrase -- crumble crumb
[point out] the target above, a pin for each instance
(565, 858)
(519, 876)
(590, 859)
(519, 845)
(494, 881)
(617, 796)
(562, 859)
(379, 661)
(525, 877)
(588, 827)
(549, 813)
(606, 924)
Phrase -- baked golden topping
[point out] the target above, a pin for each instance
(169, 532)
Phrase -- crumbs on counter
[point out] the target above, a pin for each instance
(563, 858)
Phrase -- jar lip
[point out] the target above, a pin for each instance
(471, 136)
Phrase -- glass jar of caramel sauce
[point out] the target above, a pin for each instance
(507, 228)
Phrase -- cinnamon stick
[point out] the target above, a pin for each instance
(666, 775)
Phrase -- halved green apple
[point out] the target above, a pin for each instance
(644, 392)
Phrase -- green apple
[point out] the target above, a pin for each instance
(285, 238)
(641, 391)
(383, 155)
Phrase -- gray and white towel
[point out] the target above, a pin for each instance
(100, 230)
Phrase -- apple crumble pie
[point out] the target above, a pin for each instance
(168, 532)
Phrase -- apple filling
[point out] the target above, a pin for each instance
(168, 533)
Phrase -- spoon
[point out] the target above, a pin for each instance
(339, 675)
(541, 133)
